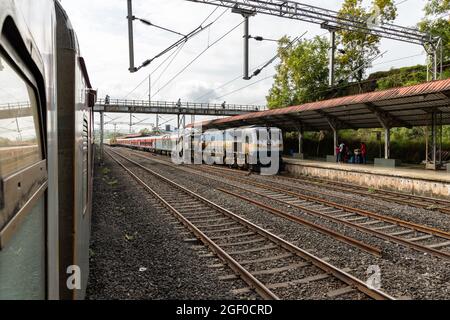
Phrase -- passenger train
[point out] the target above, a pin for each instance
(236, 147)
(46, 154)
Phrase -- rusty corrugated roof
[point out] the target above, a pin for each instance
(426, 95)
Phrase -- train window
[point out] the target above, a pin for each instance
(19, 122)
(22, 261)
(23, 182)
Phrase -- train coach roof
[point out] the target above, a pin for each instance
(399, 107)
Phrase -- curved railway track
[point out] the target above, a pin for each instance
(419, 237)
(267, 263)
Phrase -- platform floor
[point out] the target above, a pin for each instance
(412, 172)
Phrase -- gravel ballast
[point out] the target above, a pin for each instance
(138, 251)
(405, 273)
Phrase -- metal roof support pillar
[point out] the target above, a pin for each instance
(334, 124)
(433, 139)
(102, 123)
(387, 142)
(434, 145)
(334, 127)
(300, 141)
(335, 141)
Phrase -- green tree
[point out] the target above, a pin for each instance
(302, 73)
(437, 23)
(359, 48)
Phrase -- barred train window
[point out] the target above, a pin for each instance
(19, 127)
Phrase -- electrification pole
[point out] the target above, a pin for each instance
(246, 14)
(130, 18)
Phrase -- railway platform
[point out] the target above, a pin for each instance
(405, 179)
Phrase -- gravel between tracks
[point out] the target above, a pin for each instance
(404, 272)
(430, 218)
(130, 231)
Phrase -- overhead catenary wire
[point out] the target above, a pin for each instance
(244, 87)
(150, 74)
(166, 67)
(290, 44)
(182, 40)
(398, 59)
(174, 52)
(196, 58)
(212, 12)
(256, 71)
(148, 23)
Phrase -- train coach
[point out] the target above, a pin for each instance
(46, 154)
(241, 147)
(162, 144)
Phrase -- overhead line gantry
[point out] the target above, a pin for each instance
(334, 21)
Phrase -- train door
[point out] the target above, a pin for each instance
(23, 174)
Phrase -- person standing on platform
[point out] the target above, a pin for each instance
(363, 153)
(347, 154)
(337, 153)
(341, 152)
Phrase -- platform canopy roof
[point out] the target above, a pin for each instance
(399, 107)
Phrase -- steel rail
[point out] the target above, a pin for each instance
(346, 198)
(339, 236)
(356, 243)
(253, 282)
(320, 263)
(348, 223)
(400, 222)
(395, 221)
(378, 193)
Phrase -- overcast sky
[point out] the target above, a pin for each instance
(101, 27)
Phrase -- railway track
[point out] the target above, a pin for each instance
(427, 203)
(265, 262)
(417, 201)
(299, 220)
(419, 237)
